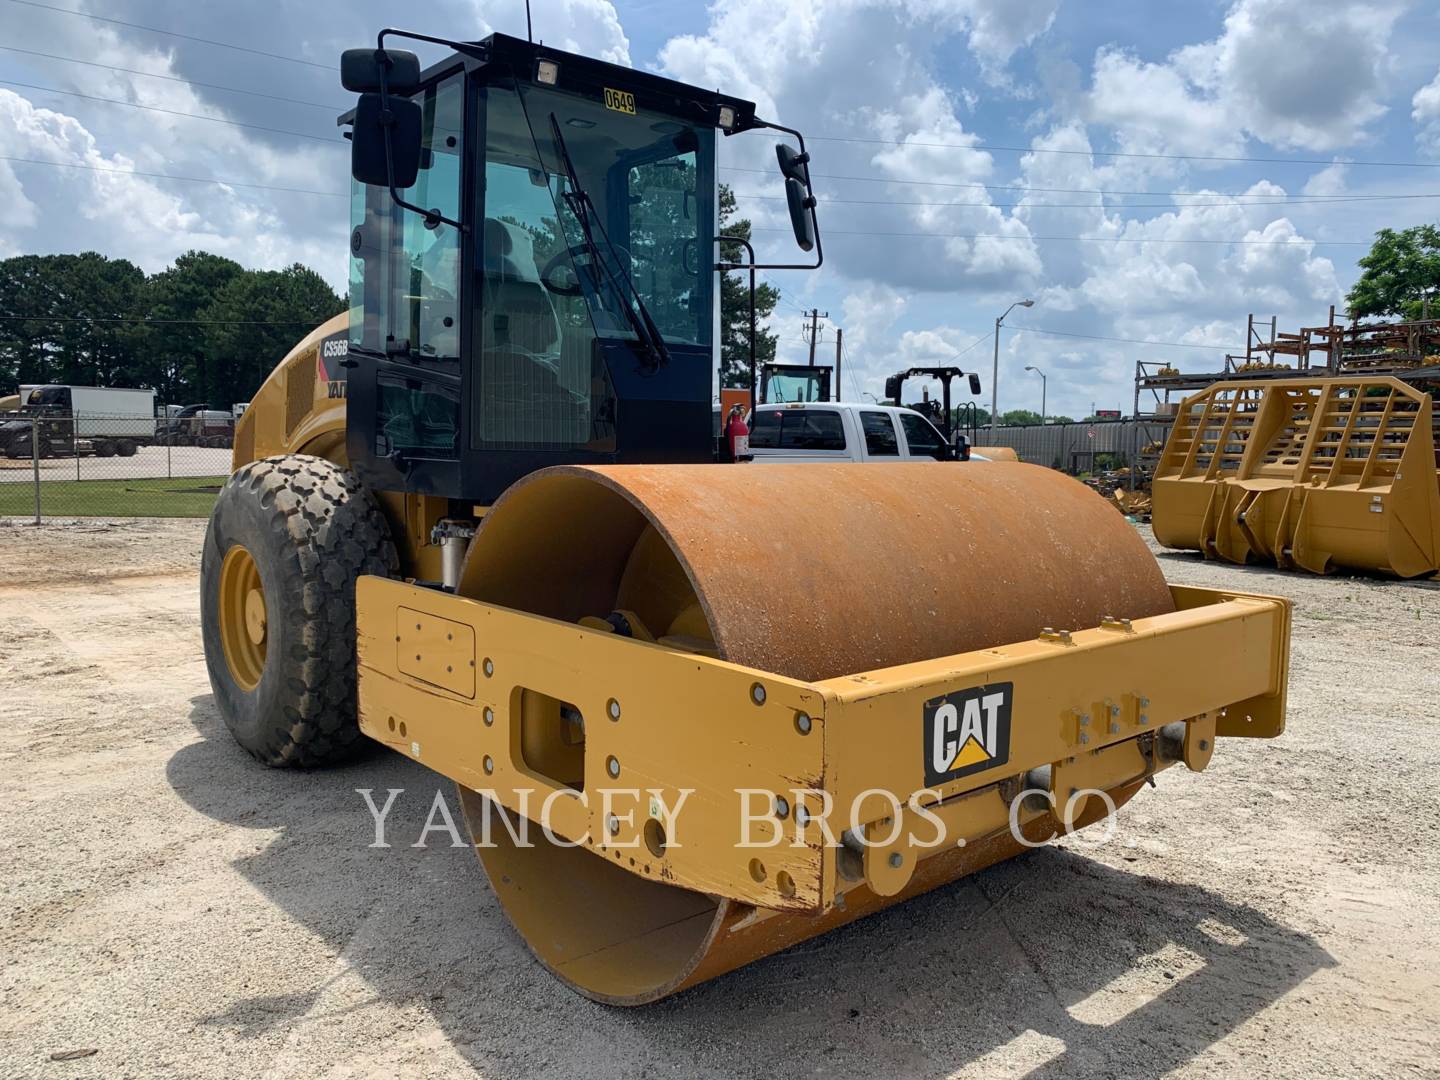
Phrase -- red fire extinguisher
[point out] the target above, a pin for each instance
(737, 436)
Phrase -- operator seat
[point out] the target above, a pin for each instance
(522, 398)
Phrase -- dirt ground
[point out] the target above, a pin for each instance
(182, 911)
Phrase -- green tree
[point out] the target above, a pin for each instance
(67, 319)
(1399, 270)
(254, 320)
(1020, 416)
(735, 303)
(175, 347)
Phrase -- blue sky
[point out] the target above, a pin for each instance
(930, 238)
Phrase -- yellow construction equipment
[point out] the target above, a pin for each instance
(1315, 474)
(696, 711)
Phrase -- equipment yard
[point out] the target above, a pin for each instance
(173, 908)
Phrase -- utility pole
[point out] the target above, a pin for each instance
(815, 316)
(839, 352)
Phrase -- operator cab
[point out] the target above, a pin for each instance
(534, 274)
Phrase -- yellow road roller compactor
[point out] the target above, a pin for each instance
(696, 711)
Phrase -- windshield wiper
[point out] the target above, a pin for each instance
(581, 206)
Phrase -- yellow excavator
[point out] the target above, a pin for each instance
(696, 710)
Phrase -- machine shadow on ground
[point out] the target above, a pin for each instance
(1054, 952)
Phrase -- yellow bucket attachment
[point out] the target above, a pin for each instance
(1310, 473)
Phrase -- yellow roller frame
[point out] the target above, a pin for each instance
(491, 698)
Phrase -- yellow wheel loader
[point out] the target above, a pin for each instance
(697, 711)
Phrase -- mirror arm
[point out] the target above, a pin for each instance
(433, 217)
(810, 194)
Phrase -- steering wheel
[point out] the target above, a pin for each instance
(563, 260)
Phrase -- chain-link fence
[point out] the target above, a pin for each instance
(113, 466)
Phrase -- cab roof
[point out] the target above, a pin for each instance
(501, 56)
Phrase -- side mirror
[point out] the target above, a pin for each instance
(800, 219)
(893, 385)
(362, 71)
(974, 383)
(375, 126)
(795, 167)
(962, 446)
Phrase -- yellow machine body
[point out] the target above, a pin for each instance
(706, 779)
(1314, 474)
(300, 409)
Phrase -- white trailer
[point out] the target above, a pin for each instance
(103, 420)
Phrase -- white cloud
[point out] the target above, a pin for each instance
(863, 73)
(1292, 73)
(996, 28)
(1425, 111)
(591, 27)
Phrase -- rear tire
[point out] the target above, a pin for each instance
(305, 530)
(104, 448)
(125, 448)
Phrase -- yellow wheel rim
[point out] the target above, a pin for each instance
(244, 632)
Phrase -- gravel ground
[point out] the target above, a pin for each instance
(180, 911)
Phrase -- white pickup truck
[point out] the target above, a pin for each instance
(841, 431)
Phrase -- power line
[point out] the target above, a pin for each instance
(1010, 187)
(1228, 200)
(174, 78)
(1126, 341)
(147, 321)
(1086, 239)
(175, 34)
(1124, 154)
(170, 112)
(172, 176)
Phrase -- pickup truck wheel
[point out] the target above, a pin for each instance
(287, 540)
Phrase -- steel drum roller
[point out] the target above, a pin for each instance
(807, 570)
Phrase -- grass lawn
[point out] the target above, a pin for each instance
(183, 496)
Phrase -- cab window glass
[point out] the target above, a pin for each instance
(880, 439)
(539, 382)
(922, 437)
(404, 275)
(416, 416)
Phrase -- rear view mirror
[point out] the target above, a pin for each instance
(374, 127)
(800, 219)
(363, 70)
(974, 383)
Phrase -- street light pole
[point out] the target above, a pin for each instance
(995, 367)
(1043, 381)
